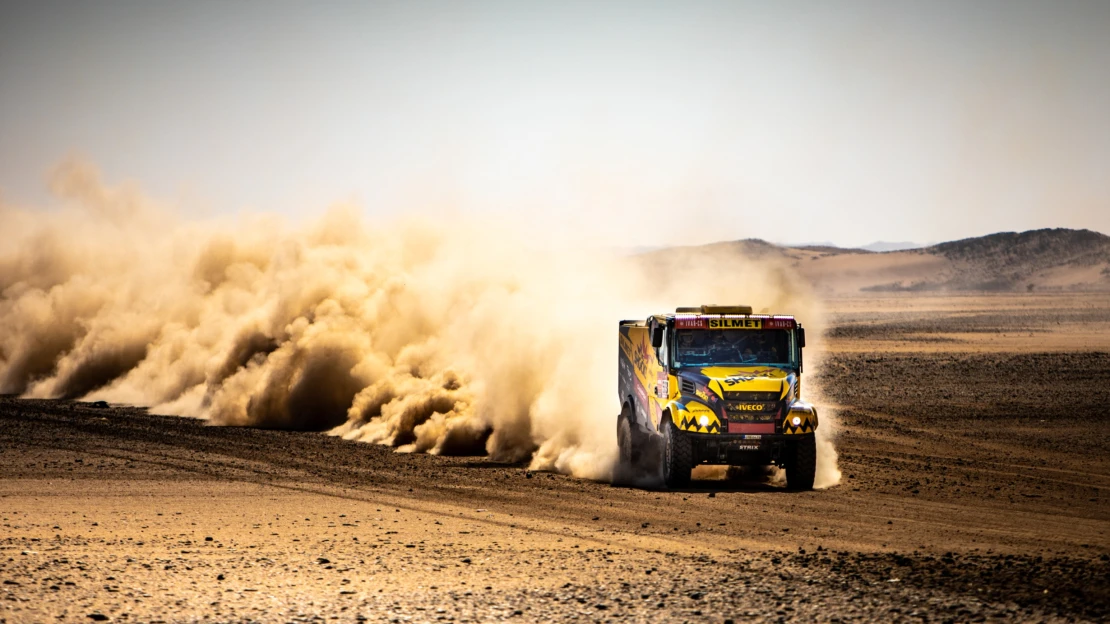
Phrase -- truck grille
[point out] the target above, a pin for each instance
(752, 397)
(751, 412)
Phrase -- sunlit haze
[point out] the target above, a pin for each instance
(624, 124)
(526, 310)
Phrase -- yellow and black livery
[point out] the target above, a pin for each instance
(715, 385)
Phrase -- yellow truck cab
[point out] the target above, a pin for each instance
(715, 385)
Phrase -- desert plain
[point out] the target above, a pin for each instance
(972, 438)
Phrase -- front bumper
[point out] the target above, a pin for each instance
(695, 416)
(740, 449)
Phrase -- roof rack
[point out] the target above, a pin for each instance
(715, 309)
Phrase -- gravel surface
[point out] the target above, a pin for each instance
(974, 488)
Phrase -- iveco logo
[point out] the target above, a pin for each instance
(749, 407)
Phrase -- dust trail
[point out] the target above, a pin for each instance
(442, 336)
(828, 470)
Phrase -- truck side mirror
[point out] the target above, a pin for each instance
(801, 337)
(657, 336)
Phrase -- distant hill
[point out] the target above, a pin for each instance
(830, 249)
(1037, 260)
(1016, 260)
(1054, 246)
(877, 246)
(748, 247)
(881, 246)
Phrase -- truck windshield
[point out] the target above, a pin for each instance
(733, 347)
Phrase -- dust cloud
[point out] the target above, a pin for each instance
(447, 335)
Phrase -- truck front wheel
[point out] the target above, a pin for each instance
(801, 463)
(678, 456)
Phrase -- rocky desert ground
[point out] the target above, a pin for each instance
(972, 434)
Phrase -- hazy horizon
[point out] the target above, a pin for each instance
(621, 124)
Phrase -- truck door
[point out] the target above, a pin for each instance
(661, 391)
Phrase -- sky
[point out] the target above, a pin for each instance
(624, 123)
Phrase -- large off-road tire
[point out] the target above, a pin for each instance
(678, 456)
(801, 463)
(624, 437)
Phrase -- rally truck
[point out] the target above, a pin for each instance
(715, 385)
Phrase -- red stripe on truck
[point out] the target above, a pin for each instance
(734, 427)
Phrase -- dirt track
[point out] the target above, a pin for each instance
(975, 485)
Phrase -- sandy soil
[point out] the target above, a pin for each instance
(976, 476)
(995, 323)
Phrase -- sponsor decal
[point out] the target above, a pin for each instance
(778, 323)
(736, 323)
(662, 387)
(641, 356)
(690, 323)
(750, 375)
(733, 323)
(735, 379)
